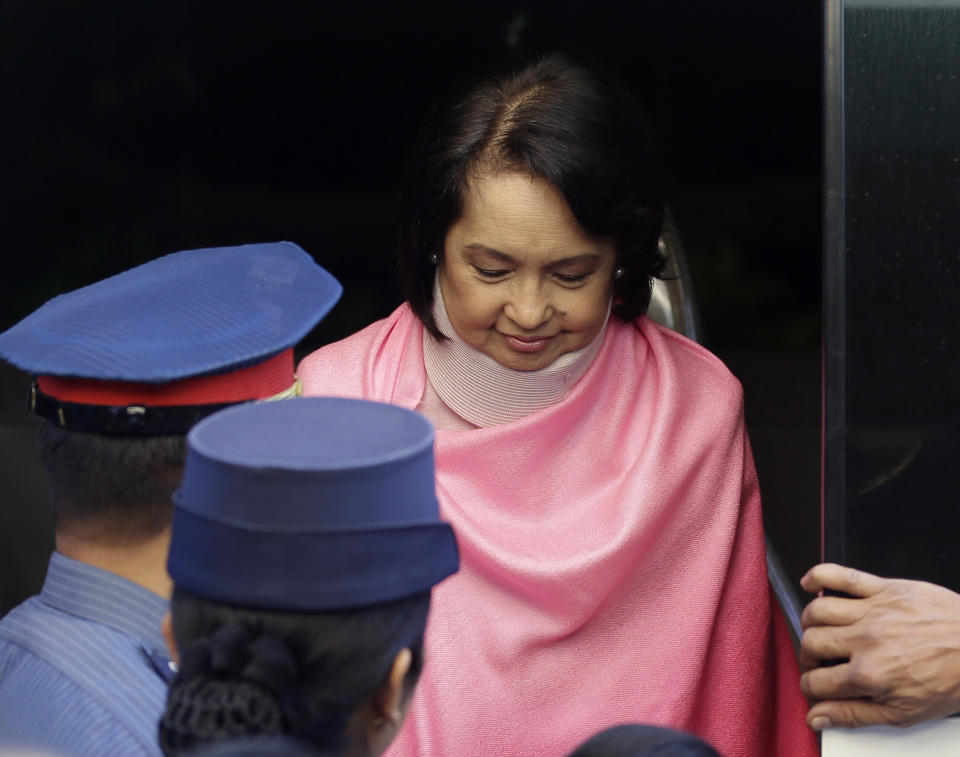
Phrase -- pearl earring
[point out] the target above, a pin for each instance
(433, 258)
(618, 272)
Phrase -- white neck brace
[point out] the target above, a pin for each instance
(480, 390)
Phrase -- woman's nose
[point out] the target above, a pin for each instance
(528, 308)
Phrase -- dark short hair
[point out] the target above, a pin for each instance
(120, 487)
(247, 671)
(644, 741)
(558, 122)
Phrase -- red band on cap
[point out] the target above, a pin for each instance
(254, 382)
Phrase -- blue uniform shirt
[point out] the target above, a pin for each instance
(79, 670)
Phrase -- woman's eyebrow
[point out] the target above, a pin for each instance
(584, 257)
(477, 247)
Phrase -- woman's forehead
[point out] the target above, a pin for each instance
(502, 210)
(502, 190)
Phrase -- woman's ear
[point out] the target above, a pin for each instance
(166, 626)
(388, 701)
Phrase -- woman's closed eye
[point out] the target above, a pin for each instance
(491, 273)
(567, 278)
(571, 279)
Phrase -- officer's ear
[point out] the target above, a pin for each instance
(390, 700)
(166, 626)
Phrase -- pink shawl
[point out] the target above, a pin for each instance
(612, 555)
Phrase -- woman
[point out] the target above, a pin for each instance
(594, 465)
(302, 570)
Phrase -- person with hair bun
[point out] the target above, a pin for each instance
(594, 464)
(302, 573)
(636, 740)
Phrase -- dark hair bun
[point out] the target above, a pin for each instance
(231, 684)
(271, 664)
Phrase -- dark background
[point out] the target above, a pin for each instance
(131, 130)
(892, 474)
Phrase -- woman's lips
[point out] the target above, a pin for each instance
(527, 344)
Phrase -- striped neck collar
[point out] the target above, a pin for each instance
(484, 392)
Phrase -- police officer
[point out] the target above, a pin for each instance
(306, 541)
(124, 368)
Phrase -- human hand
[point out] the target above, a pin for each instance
(901, 643)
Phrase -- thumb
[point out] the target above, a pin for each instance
(850, 713)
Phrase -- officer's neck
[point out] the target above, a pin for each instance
(144, 561)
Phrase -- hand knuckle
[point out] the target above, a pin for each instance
(862, 677)
(808, 642)
(899, 587)
(867, 638)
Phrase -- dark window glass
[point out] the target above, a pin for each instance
(893, 286)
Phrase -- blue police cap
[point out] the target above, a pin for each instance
(313, 504)
(153, 349)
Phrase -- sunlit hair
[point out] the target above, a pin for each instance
(554, 121)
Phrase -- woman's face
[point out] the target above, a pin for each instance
(520, 279)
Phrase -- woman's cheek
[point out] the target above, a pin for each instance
(484, 309)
